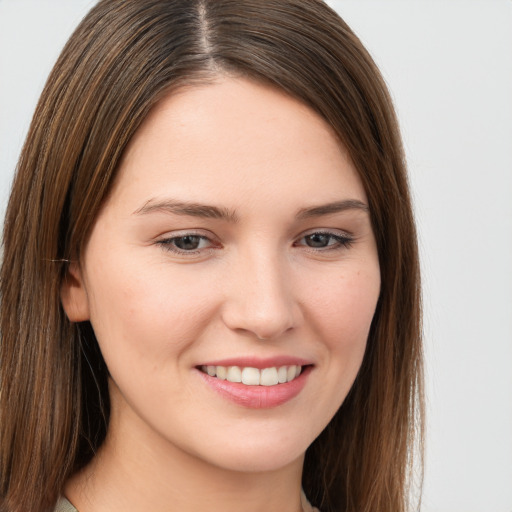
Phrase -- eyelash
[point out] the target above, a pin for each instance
(341, 241)
(168, 244)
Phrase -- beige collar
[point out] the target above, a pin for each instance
(65, 506)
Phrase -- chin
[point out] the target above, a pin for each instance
(258, 455)
(260, 463)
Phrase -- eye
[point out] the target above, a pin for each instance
(187, 244)
(324, 240)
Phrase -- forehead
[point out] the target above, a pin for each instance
(236, 134)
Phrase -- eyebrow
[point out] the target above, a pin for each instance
(187, 208)
(331, 208)
(214, 212)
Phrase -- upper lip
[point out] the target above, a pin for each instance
(257, 362)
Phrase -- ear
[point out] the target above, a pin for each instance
(73, 295)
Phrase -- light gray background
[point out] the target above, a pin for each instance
(449, 66)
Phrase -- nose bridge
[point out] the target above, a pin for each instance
(261, 298)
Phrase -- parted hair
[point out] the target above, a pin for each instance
(122, 59)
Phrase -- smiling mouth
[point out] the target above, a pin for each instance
(249, 376)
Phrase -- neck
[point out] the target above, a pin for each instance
(133, 472)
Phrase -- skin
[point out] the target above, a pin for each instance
(255, 286)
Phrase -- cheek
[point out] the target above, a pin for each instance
(344, 306)
(344, 313)
(341, 309)
(144, 313)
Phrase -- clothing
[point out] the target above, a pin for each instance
(306, 506)
(64, 505)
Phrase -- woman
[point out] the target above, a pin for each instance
(210, 290)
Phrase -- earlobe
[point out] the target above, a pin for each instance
(73, 295)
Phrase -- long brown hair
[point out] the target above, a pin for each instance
(123, 58)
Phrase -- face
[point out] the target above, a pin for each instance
(236, 245)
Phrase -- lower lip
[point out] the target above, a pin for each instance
(258, 397)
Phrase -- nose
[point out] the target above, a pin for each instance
(260, 298)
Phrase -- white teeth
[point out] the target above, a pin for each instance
(221, 372)
(282, 374)
(252, 376)
(234, 374)
(269, 377)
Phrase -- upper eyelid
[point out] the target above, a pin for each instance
(179, 233)
(206, 233)
(327, 231)
(211, 236)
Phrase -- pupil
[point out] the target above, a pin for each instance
(318, 240)
(187, 243)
